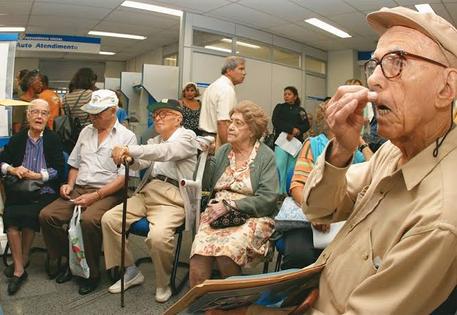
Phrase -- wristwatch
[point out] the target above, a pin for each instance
(363, 146)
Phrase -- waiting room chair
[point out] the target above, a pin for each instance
(191, 193)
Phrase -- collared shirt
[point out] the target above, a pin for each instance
(35, 161)
(217, 102)
(397, 252)
(93, 161)
(175, 158)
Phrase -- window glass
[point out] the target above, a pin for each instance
(170, 60)
(286, 57)
(212, 41)
(249, 48)
(315, 65)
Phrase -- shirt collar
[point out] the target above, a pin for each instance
(225, 78)
(416, 169)
(41, 135)
(174, 135)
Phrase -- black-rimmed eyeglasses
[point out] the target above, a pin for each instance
(392, 63)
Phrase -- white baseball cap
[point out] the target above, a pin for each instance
(99, 101)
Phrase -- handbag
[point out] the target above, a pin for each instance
(15, 184)
(67, 127)
(77, 256)
(269, 140)
(233, 217)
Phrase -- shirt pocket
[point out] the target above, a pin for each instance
(105, 160)
(347, 269)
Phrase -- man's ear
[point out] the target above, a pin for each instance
(448, 91)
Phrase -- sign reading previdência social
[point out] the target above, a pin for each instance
(59, 43)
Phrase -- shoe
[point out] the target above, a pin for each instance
(88, 285)
(137, 280)
(9, 270)
(15, 283)
(163, 294)
(64, 276)
(53, 267)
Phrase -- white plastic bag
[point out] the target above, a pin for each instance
(77, 255)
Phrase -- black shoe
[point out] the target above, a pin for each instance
(9, 270)
(87, 286)
(53, 268)
(14, 284)
(64, 276)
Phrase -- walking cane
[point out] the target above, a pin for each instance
(127, 162)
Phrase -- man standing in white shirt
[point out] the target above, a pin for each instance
(219, 98)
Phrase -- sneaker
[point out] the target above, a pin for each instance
(163, 294)
(136, 280)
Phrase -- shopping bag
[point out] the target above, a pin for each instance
(77, 255)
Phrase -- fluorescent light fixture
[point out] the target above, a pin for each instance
(12, 29)
(120, 35)
(328, 28)
(108, 53)
(424, 8)
(228, 40)
(170, 58)
(151, 7)
(218, 48)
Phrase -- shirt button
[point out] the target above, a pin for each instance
(365, 256)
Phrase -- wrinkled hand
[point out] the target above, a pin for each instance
(345, 118)
(86, 200)
(32, 175)
(214, 211)
(119, 154)
(295, 131)
(289, 136)
(324, 228)
(19, 171)
(65, 191)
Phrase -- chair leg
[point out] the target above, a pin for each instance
(278, 262)
(176, 288)
(5, 254)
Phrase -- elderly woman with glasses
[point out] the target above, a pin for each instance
(242, 176)
(31, 155)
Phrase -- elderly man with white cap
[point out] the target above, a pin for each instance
(397, 252)
(94, 182)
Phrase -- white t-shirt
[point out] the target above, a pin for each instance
(217, 102)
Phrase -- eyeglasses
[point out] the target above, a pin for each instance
(161, 114)
(238, 123)
(37, 112)
(392, 63)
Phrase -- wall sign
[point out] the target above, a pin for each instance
(59, 43)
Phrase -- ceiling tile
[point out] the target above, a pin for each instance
(245, 16)
(15, 7)
(284, 9)
(46, 8)
(354, 23)
(199, 6)
(325, 8)
(371, 5)
(13, 20)
(413, 2)
(110, 4)
(298, 33)
(137, 17)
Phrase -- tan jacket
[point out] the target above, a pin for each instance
(397, 253)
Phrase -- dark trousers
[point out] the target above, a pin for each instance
(299, 250)
(54, 220)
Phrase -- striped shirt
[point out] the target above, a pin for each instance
(303, 166)
(69, 101)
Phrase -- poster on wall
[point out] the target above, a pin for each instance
(59, 43)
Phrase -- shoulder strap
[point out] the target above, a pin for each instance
(77, 101)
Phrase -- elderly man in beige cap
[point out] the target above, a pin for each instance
(397, 252)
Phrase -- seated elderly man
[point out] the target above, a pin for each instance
(169, 157)
(35, 155)
(94, 182)
(396, 254)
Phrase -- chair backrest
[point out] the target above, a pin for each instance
(191, 190)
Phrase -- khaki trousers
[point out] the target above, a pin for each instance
(54, 219)
(161, 203)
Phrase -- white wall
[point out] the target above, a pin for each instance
(341, 66)
(113, 69)
(25, 63)
(153, 57)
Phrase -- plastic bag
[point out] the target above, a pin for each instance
(77, 255)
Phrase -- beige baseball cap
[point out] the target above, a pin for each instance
(438, 29)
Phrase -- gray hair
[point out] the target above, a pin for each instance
(37, 101)
(231, 62)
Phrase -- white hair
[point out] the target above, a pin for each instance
(37, 101)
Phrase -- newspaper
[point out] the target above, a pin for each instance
(292, 147)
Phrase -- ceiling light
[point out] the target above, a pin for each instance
(120, 35)
(327, 27)
(170, 58)
(424, 8)
(12, 29)
(218, 48)
(228, 40)
(151, 7)
(108, 53)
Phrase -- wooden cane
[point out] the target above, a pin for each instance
(127, 162)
